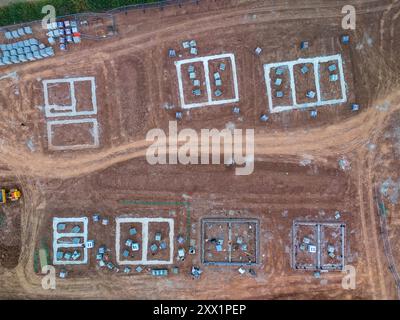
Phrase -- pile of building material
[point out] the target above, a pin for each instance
(131, 245)
(159, 243)
(96, 217)
(304, 45)
(181, 251)
(65, 31)
(103, 257)
(313, 113)
(196, 83)
(258, 51)
(333, 76)
(159, 272)
(242, 270)
(179, 115)
(171, 53)
(239, 245)
(307, 245)
(331, 251)
(63, 273)
(355, 107)
(17, 33)
(196, 272)
(264, 118)
(191, 45)
(344, 164)
(104, 221)
(278, 82)
(218, 243)
(345, 39)
(218, 80)
(24, 51)
(181, 254)
(68, 255)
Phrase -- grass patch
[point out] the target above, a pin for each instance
(36, 257)
(20, 12)
(36, 261)
(43, 245)
(2, 218)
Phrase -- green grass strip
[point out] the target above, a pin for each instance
(21, 12)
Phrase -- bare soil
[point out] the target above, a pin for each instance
(72, 134)
(296, 175)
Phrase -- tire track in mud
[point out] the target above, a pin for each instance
(334, 140)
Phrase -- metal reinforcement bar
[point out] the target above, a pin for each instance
(386, 242)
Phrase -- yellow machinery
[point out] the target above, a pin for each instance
(9, 195)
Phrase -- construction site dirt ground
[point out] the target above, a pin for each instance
(296, 165)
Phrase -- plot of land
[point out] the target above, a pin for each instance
(230, 242)
(149, 228)
(318, 245)
(305, 82)
(72, 134)
(296, 176)
(215, 72)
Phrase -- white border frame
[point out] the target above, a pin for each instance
(316, 62)
(210, 101)
(95, 134)
(69, 110)
(57, 235)
(145, 240)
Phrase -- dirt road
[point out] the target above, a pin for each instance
(135, 79)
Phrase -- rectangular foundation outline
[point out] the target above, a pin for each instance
(319, 225)
(95, 134)
(205, 61)
(69, 110)
(145, 240)
(230, 221)
(316, 62)
(57, 235)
